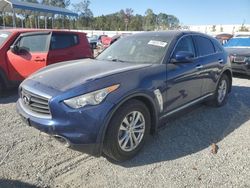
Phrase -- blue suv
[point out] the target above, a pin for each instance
(112, 103)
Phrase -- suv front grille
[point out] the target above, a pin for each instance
(35, 103)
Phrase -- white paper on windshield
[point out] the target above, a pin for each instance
(3, 35)
(157, 43)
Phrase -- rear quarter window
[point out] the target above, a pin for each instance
(63, 40)
(204, 46)
(218, 47)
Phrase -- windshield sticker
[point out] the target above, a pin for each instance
(157, 43)
(3, 35)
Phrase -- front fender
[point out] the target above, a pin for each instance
(154, 111)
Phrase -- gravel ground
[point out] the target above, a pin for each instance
(177, 156)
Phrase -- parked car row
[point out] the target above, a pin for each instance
(101, 42)
(95, 40)
(112, 103)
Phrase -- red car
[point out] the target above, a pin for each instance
(24, 51)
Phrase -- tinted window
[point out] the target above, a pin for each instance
(61, 40)
(204, 46)
(34, 43)
(185, 44)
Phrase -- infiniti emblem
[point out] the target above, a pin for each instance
(26, 100)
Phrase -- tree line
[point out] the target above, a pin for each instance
(124, 19)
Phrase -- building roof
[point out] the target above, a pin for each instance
(26, 7)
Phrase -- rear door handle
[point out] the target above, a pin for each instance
(199, 67)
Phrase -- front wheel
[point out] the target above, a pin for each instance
(127, 131)
(221, 93)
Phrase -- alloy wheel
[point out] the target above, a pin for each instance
(222, 91)
(131, 131)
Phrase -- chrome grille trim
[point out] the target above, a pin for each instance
(35, 104)
(239, 59)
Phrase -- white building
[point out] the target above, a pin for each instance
(215, 29)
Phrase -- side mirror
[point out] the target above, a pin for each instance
(14, 49)
(182, 57)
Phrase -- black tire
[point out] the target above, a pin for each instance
(2, 88)
(112, 148)
(215, 100)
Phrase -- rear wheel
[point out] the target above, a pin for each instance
(221, 93)
(127, 131)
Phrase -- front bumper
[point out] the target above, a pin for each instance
(80, 128)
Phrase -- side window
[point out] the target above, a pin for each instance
(62, 40)
(185, 44)
(204, 46)
(34, 43)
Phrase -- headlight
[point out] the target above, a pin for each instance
(93, 98)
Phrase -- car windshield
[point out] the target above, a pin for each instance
(137, 49)
(238, 43)
(3, 36)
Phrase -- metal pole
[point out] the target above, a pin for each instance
(14, 18)
(35, 20)
(69, 22)
(3, 20)
(45, 22)
(24, 20)
(63, 22)
(38, 20)
(52, 21)
(30, 21)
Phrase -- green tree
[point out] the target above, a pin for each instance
(84, 12)
(162, 21)
(221, 29)
(149, 20)
(127, 17)
(213, 29)
(173, 22)
(136, 23)
(243, 28)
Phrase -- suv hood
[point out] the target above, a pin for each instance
(66, 75)
(238, 51)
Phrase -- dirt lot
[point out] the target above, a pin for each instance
(178, 156)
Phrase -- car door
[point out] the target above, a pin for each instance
(28, 54)
(183, 78)
(63, 47)
(211, 60)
